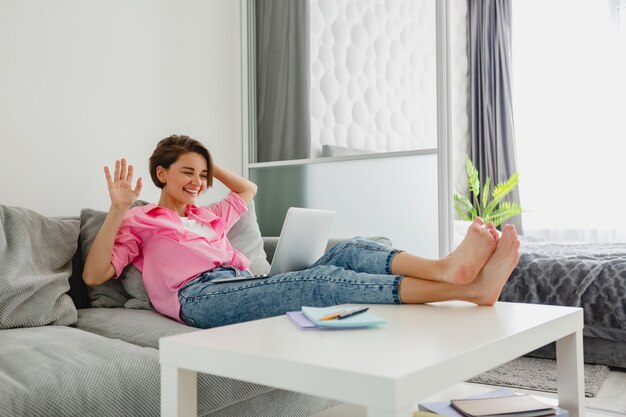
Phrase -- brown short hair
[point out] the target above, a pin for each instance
(168, 151)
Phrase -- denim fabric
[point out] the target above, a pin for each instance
(354, 271)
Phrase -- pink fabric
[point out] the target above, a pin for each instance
(154, 240)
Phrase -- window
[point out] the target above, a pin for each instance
(569, 99)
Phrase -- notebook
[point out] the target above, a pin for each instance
(302, 241)
(446, 409)
(516, 405)
(299, 319)
(366, 319)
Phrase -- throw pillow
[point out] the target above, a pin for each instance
(245, 236)
(35, 265)
(111, 293)
(133, 284)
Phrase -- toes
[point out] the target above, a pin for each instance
(509, 231)
(475, 228)
(478, 220)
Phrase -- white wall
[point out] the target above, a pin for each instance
(83, 82)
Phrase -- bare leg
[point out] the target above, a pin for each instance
(485, 290)
(461, 266)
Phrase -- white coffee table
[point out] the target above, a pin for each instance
(421, 349)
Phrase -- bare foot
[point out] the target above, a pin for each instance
(498, 269)
(494, 232)
(465, 262)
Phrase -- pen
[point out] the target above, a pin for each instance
(332, 316)
(343, 314)
(352, 312)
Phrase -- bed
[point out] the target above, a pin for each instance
(591, 276)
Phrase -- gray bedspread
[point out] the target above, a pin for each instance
(591, 276)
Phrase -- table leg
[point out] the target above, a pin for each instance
(570, 374)
(178, 392)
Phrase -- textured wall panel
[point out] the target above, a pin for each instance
(373, 77)
(459, 93)
(373, 80)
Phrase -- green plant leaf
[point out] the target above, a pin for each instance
(500, 191)
(463, 206)
(505, 210)
(486, 192)
(496, 210)
(473, 182)
(505, 187)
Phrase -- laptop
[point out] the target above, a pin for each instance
(303, 239)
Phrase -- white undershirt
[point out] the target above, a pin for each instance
(198, 228)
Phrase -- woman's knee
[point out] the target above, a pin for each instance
(355, 241)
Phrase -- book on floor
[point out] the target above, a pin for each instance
(522, 405)
(501, 402)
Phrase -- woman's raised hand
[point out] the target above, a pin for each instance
(121, 185)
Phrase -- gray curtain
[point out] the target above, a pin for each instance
(491, 115)
(282, 80)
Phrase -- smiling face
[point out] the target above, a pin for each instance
(184, 181)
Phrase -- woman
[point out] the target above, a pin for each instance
(180, 248)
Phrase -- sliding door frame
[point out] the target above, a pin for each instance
(444, 148)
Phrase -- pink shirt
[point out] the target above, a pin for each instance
(154, 240)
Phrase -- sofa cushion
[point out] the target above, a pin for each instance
(144, 328)
(128, 291)
(278, 402)
(35, 265)
(139, 327)
(63, 371)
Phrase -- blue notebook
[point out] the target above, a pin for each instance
(303, 323)
(366, 319)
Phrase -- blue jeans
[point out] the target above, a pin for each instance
(354, 271)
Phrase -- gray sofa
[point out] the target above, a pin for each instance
(69, 350)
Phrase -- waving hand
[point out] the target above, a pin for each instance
(121, 189)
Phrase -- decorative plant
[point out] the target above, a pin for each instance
(489, 209)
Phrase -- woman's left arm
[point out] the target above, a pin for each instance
(236, 183)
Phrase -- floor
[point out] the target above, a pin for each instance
(610, 401)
